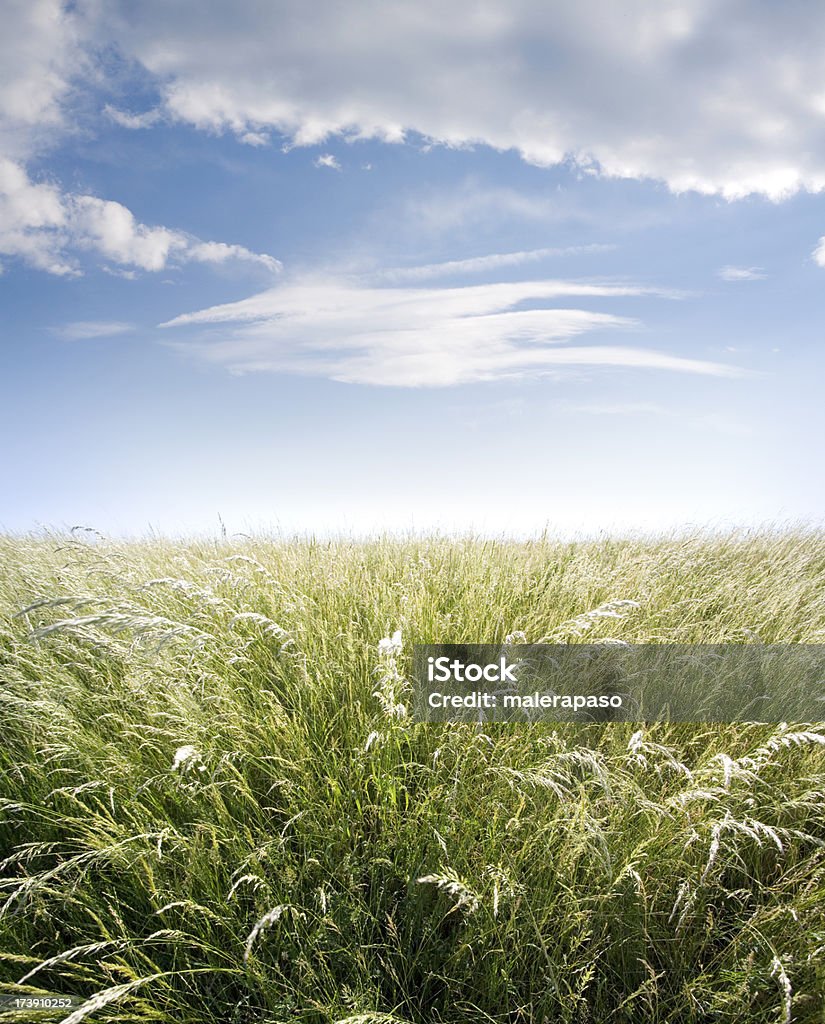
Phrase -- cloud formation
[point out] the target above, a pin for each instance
(48, 228)
(722, 98)
(355, 332)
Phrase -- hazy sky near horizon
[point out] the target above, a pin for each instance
(325, 267)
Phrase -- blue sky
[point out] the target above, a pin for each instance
(307, 268)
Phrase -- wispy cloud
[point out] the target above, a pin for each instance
(422, 336)
(83, 330)
(819, 252)
(741, 273)
(133, 121)
(327, 160)
(473, 203)
(482, 264)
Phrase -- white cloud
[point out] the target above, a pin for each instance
(112, 230)
(418, 336)
(819, 252)
(741, 274)
(47, 228)
(32, 220)
(85, 330)
(327, 160)
(726, 99)
(39, 53)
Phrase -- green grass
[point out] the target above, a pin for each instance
(315, 858)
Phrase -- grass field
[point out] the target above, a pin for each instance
(213, 808)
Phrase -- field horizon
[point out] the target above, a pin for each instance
(709, 530)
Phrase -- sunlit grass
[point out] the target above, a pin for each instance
(213, 809)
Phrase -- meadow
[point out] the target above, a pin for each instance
(214, 806)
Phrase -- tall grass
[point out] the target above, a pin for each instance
(214, 809)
